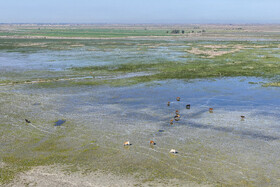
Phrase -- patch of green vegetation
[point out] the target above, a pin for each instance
(90, 149)
(98, 32)
(30, 149)
(254, 59)
(6, 175)
(242, 63)
(253, 83)
(138, 30)
(272, 84)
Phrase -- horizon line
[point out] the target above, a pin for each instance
(101, 23)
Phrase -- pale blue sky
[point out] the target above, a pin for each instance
(140, 11)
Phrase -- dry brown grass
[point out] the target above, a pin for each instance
(213, 51)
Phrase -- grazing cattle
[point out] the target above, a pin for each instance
(177, 119)
(177, 116)
(173, 151)
(126, 143)
(27, 121)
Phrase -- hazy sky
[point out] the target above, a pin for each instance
(139, 11)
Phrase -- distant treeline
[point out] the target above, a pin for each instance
(176, 31)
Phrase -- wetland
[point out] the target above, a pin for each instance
(86, 93)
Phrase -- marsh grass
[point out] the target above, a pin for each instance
(23, 147)
(243, 63)
(272, 84)
(252, 59)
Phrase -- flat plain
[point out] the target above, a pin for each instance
(111, 84)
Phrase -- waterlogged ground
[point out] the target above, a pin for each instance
(95, 62)
(112, 91)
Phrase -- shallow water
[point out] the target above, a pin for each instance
(59, 122)
(214, 148)
(60, 56)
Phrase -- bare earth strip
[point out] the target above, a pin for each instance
(112, 77)
(45, 176)
(212, 53)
